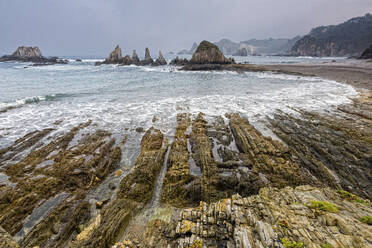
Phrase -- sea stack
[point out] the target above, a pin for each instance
(31, 54)
(135, 58)
(126, 60)
(208, 57)
(24, 52)
(367, 54)
(148, 60)
(160, 60)
(208, 53)
(115, 57)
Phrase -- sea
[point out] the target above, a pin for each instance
(121, 99)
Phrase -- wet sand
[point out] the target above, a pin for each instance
(357, 73)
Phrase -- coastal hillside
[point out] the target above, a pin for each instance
(350, 38)
(251, 47)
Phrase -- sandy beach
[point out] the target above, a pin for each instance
(357, 73)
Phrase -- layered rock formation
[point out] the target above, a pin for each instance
(367, 54)
(31, 54)
(292, 217)
(220, 183)
(347, 39)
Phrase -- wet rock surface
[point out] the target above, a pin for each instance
(45, 193)
(271, 218)
(218, 183)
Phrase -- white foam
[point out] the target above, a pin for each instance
(116, 114)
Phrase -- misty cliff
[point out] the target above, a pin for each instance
(252, 47)
(350, 38)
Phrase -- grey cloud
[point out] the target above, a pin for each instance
(94, 27)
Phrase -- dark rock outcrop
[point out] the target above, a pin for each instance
(160, 60)
(179, 62)
(208, 57)
(135, 58)
(347, 39)
(126, 60)
(148, 60)
(31, 54)
(367, 54)
(209, 53)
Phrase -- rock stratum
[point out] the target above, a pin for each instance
(347, 39)
(218, 183)
(31, 54)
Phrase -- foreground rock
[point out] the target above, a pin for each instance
(224, 184)
(301, 217)
(31, 54)
(6, 240)
(367, 54)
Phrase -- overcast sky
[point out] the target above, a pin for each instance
(94, 27)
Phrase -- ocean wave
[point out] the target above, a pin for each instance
(6, 106)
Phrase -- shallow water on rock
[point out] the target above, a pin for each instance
(39, 213)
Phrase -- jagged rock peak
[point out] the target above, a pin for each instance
(209, 53)
(148, 60)
(27, 52)
(115, 55)
(147, 54)
(135, 57)
(160, 60)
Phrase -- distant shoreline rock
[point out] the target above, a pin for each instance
(115, 57)
(367, 54)
(160, 60)
(32, 54)
(207, 57)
